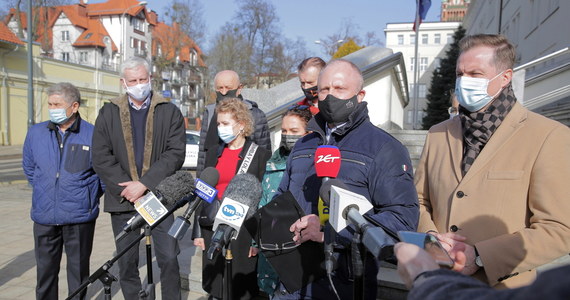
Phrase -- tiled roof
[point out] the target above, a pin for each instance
(94, 36)
(7, 36)
(77, 14)
(115, 7)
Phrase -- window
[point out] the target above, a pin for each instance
(65, 56)
(65, 35)
(436, 62)
(400, 39)
(88, 36)
(159, 49)
(138, 24)
(83, 56)
(194, 57)
(449, 38)
(437, 39)
(412, 63)
(421, 90)
(410, 117)
(134, 43)
(423, 63)
(412, 39)
(424, 39)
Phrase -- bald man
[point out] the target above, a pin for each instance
(373, 164)
(227, 85)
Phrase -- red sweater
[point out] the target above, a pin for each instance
(226, 166)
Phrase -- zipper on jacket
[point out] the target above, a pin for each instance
(302, 156)
(61, 143)
(353, 161)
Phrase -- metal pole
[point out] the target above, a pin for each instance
(416, 70)
(30, 68)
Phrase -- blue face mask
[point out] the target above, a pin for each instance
(226, 133)
(59, 115)
(472, 92)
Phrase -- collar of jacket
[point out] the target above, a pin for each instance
(358, 116)
(125, 116)
(73, 128)
(243, 151)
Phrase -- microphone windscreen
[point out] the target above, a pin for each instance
(245, 189)
(327, 161)
(176, 187)
(325, 191)
(211, 176)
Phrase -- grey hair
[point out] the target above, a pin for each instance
(133, 62)
(67, 90)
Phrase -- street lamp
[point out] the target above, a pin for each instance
(124, 31)
(330, 48)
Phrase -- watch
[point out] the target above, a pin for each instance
(478, 260)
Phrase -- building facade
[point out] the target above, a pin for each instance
(434, 37)
(453, 10)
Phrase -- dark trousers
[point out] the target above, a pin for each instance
(49, 241)
(165, 249)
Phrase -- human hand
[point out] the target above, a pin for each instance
(412, 261)
(133, 190)
(307, 228)
(199, 242)
(252, 252)
(462, 253)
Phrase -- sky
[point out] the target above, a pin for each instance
(314, 19)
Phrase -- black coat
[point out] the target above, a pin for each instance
(113, 152)
(244, 275)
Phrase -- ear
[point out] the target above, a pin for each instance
(360, 95)
(506, 78)
(238, 92)
(75, 107)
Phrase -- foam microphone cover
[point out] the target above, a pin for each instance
(245, 189)
(211, 176)
(325, 190)
(327, 161)
(176, 187)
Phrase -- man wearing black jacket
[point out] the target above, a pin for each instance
(138, 141)
(227, 85)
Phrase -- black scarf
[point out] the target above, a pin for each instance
(478, 127)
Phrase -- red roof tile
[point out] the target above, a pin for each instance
(171, 38)
(8, 36)
(93, 36)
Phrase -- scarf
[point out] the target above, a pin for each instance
(478, 127)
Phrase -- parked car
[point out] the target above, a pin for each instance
(192, 145)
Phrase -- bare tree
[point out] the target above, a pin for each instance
(230, 51)
(348, 31)
(188, 15)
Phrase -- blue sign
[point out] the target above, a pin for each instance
(167, 94)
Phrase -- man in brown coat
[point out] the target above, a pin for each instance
(492, 181)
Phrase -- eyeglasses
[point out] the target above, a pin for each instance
(276, 247)
(298, 107)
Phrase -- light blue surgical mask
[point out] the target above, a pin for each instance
(472, 92)
(226, 133)
(59, 115)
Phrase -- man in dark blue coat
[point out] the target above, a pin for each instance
(373, 164)
(65, 200)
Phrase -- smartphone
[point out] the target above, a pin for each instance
(430, 244)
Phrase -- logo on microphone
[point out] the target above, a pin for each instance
(231, 212)
(329, 158)
(204, 191)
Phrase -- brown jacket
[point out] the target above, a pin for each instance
(513, 204)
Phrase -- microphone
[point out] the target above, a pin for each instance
(204, 189)
(327, 166)
(346, 206)
(241, 200)
(151, 207)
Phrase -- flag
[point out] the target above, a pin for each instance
(422, 9)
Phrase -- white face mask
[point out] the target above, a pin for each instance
(226, 133)
(140, 91)
(472, 92)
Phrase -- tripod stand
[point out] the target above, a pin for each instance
(102, 274)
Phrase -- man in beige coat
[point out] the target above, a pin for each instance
(492, 182)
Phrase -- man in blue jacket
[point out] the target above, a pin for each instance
(373, 164)
(65, 199)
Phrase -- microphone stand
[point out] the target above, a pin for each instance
(357, 266)
(103, 272)
(228, 272)
(149, 291)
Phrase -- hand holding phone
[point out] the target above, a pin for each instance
(430, 244)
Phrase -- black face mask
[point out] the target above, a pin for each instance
(335, 110)
(229, 94)
(311, 93)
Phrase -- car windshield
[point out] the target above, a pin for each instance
(192, 139)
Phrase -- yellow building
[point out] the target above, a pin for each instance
(95, 85)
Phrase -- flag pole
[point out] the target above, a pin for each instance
(416, 69)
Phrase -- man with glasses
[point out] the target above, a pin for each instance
(139, 140)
